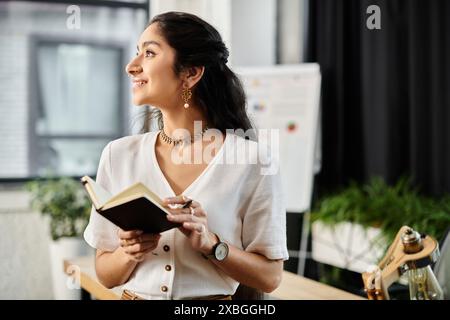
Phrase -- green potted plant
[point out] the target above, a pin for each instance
(352, 228)
(62, 201)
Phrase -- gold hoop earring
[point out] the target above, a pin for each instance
(186, 95)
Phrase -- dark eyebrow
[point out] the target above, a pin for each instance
(146, 43)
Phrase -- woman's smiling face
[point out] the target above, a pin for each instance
(152, 71)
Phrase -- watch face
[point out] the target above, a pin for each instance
(221, 251)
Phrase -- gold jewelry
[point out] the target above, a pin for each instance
(175, 142)
(186, 95)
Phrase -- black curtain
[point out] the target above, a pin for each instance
(385, 93)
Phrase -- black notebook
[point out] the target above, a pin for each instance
(134, 208)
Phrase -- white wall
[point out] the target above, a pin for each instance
(24, 250)
(292, 26)
(253, 35)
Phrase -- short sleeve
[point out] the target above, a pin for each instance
(101, 233)
(264, 222)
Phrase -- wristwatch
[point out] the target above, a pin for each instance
(219, 251)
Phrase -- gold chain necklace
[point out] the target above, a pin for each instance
(175, 142)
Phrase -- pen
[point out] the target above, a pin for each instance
(187, 204)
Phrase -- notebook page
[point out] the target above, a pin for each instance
(101, 196)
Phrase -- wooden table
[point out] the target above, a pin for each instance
(295, 287)
(292, 287)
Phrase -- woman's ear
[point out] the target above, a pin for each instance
(192, 75)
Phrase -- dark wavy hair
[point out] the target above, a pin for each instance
(219, 93)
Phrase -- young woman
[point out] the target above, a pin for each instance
(234, 230)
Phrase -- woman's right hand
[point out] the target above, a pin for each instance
(136, 244)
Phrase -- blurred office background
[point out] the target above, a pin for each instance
(64, 94)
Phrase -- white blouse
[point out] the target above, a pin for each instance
(245, 209)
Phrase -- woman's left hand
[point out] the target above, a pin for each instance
(194, 223)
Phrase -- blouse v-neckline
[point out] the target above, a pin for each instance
(196, 180)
